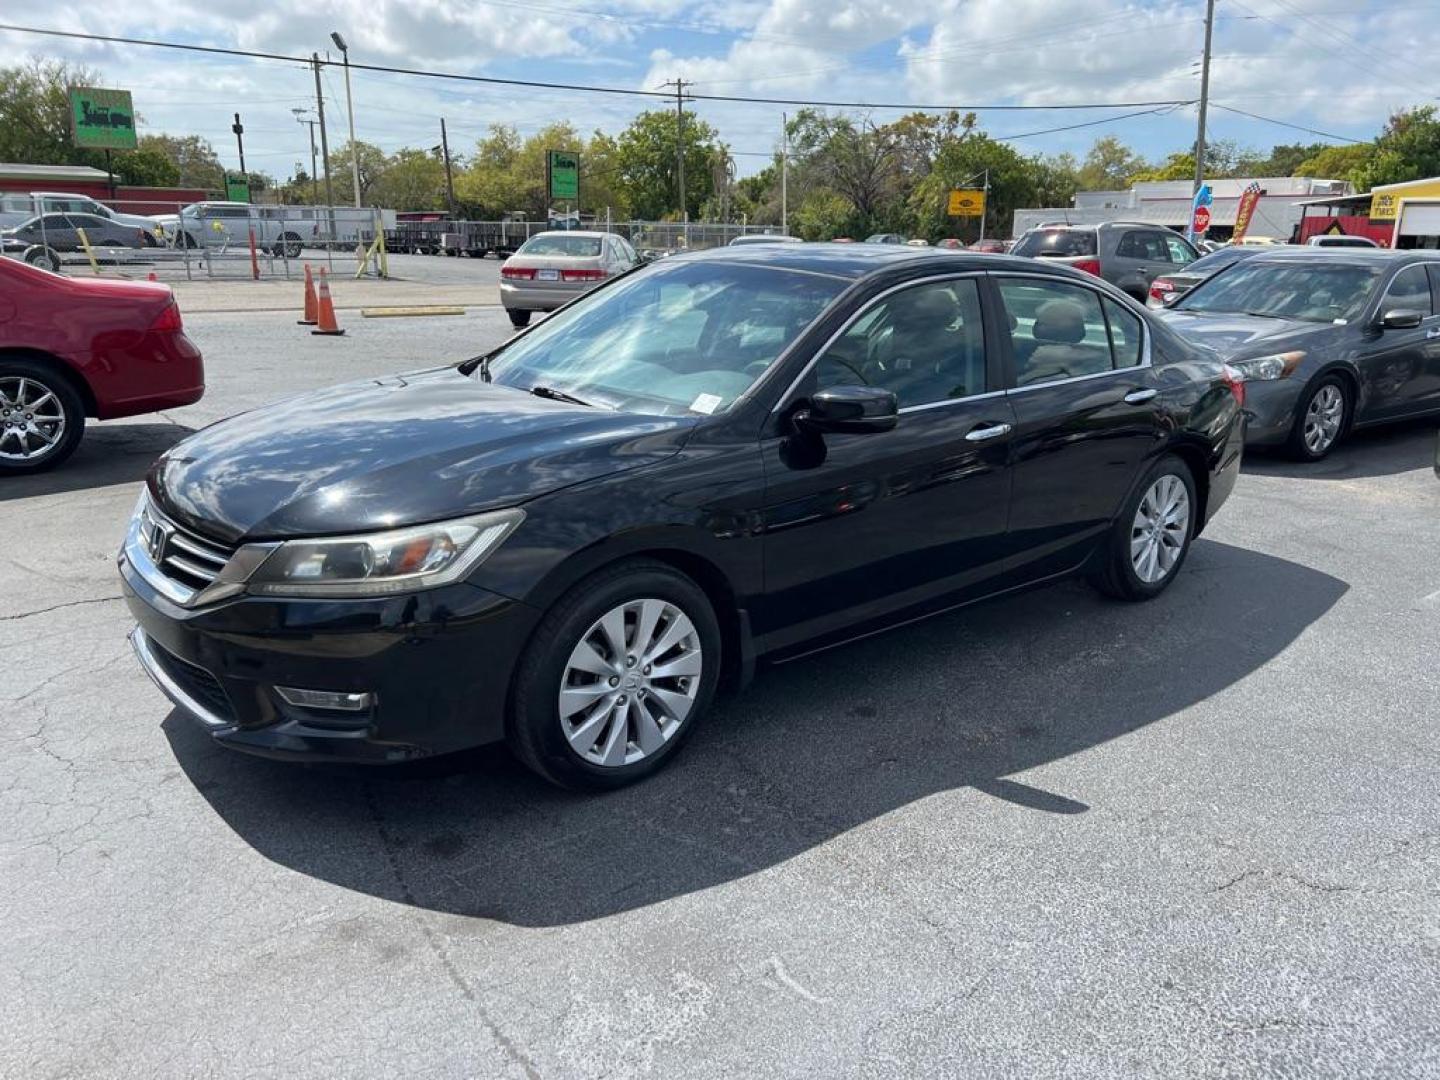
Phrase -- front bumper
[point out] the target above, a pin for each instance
(437, 665)
(1270, 410)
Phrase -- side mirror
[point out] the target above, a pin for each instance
(1401, 319)
(850, 410)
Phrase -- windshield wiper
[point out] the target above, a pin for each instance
(1266, 315)
(550, 393)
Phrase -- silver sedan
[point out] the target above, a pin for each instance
(552, 268)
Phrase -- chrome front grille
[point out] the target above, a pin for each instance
(180, 554)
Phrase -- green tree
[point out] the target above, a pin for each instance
(960, 160)
(1338, 163)
(35, 113)
(1056, 179)
(195, 161)
(373, 163)
(1408, 148)
(1108, 166)
(411, 180)
(146, 167)
(645, 164)
(824, 215)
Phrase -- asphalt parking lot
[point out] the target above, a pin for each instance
(1051, 836)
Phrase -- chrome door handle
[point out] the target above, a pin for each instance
(1139, 397)
(986, 432)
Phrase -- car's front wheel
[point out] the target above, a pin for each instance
(616, 677)
(1321, 419)
(43, 257)
(518, 319)
(1147, 545)
(41, 417)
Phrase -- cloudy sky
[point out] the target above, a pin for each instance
(1336, 65)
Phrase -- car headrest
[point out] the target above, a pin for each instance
(927, 308)
(1061, 322)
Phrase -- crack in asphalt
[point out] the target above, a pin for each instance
(59, 607)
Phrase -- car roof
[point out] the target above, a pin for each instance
(857, 261)
(588, 234)
(1363, 255)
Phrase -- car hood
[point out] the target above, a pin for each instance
(1236, 337)
(392, 452)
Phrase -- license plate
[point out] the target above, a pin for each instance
(547, 275)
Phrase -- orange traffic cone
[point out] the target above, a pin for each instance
(309, 319)
(326, 312)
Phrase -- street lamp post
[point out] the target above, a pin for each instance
(350, 111)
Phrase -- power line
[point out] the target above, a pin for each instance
(1282, 123)
(579, 87)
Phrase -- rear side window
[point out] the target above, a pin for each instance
(1143, 245)
(1057, 243)
(1061, 331)
(584, 247)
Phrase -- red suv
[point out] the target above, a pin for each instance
(77, 347)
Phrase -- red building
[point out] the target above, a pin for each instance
(83, 180)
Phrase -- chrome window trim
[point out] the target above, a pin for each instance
(865, 310)
(1145, 357)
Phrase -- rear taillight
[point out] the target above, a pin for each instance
(1236, 382)
(1090, 266)
(581, 275)
(168, 320)
(1159, 287)
(517, 273)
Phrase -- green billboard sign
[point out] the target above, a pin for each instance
(564, 168)
(237, 187)
(102, 119)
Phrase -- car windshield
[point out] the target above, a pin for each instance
(675, 338)
(573, 246)
(1309, 292)
(1055, 242)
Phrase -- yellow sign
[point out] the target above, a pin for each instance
(1383, 204)
(966, 202)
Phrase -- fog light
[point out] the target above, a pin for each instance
(324, 699)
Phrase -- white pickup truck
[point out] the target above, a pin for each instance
(283, 230)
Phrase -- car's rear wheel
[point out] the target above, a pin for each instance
(41, 417)
(289, 246)
(1321, 419)
(616, 677)
(518, 319)
(1151, 537)
(43, 257)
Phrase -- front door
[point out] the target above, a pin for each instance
(1399, 367)
(861, 526)
(1086, 417)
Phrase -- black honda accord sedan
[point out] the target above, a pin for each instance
(1328, 340)
(571, 542)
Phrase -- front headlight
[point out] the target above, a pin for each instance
(1268, 368)
(379, 564)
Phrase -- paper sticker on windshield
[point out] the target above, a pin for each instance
(706, 403)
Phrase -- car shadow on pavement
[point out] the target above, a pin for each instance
(811, 750)
(108, 454)
(1373, 452)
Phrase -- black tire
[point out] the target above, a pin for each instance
(43, 257)
(72, 409)
(289, 246)
(534, 727)
(518, 319)
(1298, 446)
(1115, 573)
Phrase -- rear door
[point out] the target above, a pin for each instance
(1398, 366)
(1087, 417)
(1141, 255)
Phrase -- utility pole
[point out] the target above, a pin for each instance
(349, 113)
(680, 85)
(324, 144)
(239, 130)
(314, 177)
(784, 175)
(1204, 97)
(449, 178)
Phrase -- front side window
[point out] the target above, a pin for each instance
(687, 337)
(1181, 253)
(1409, 291)
(1057, 331)
(925, 344)
(1321, 290)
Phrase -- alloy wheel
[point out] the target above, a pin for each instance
(1160, 529)
(1323, 417)
(32, 419)
(630, 682)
